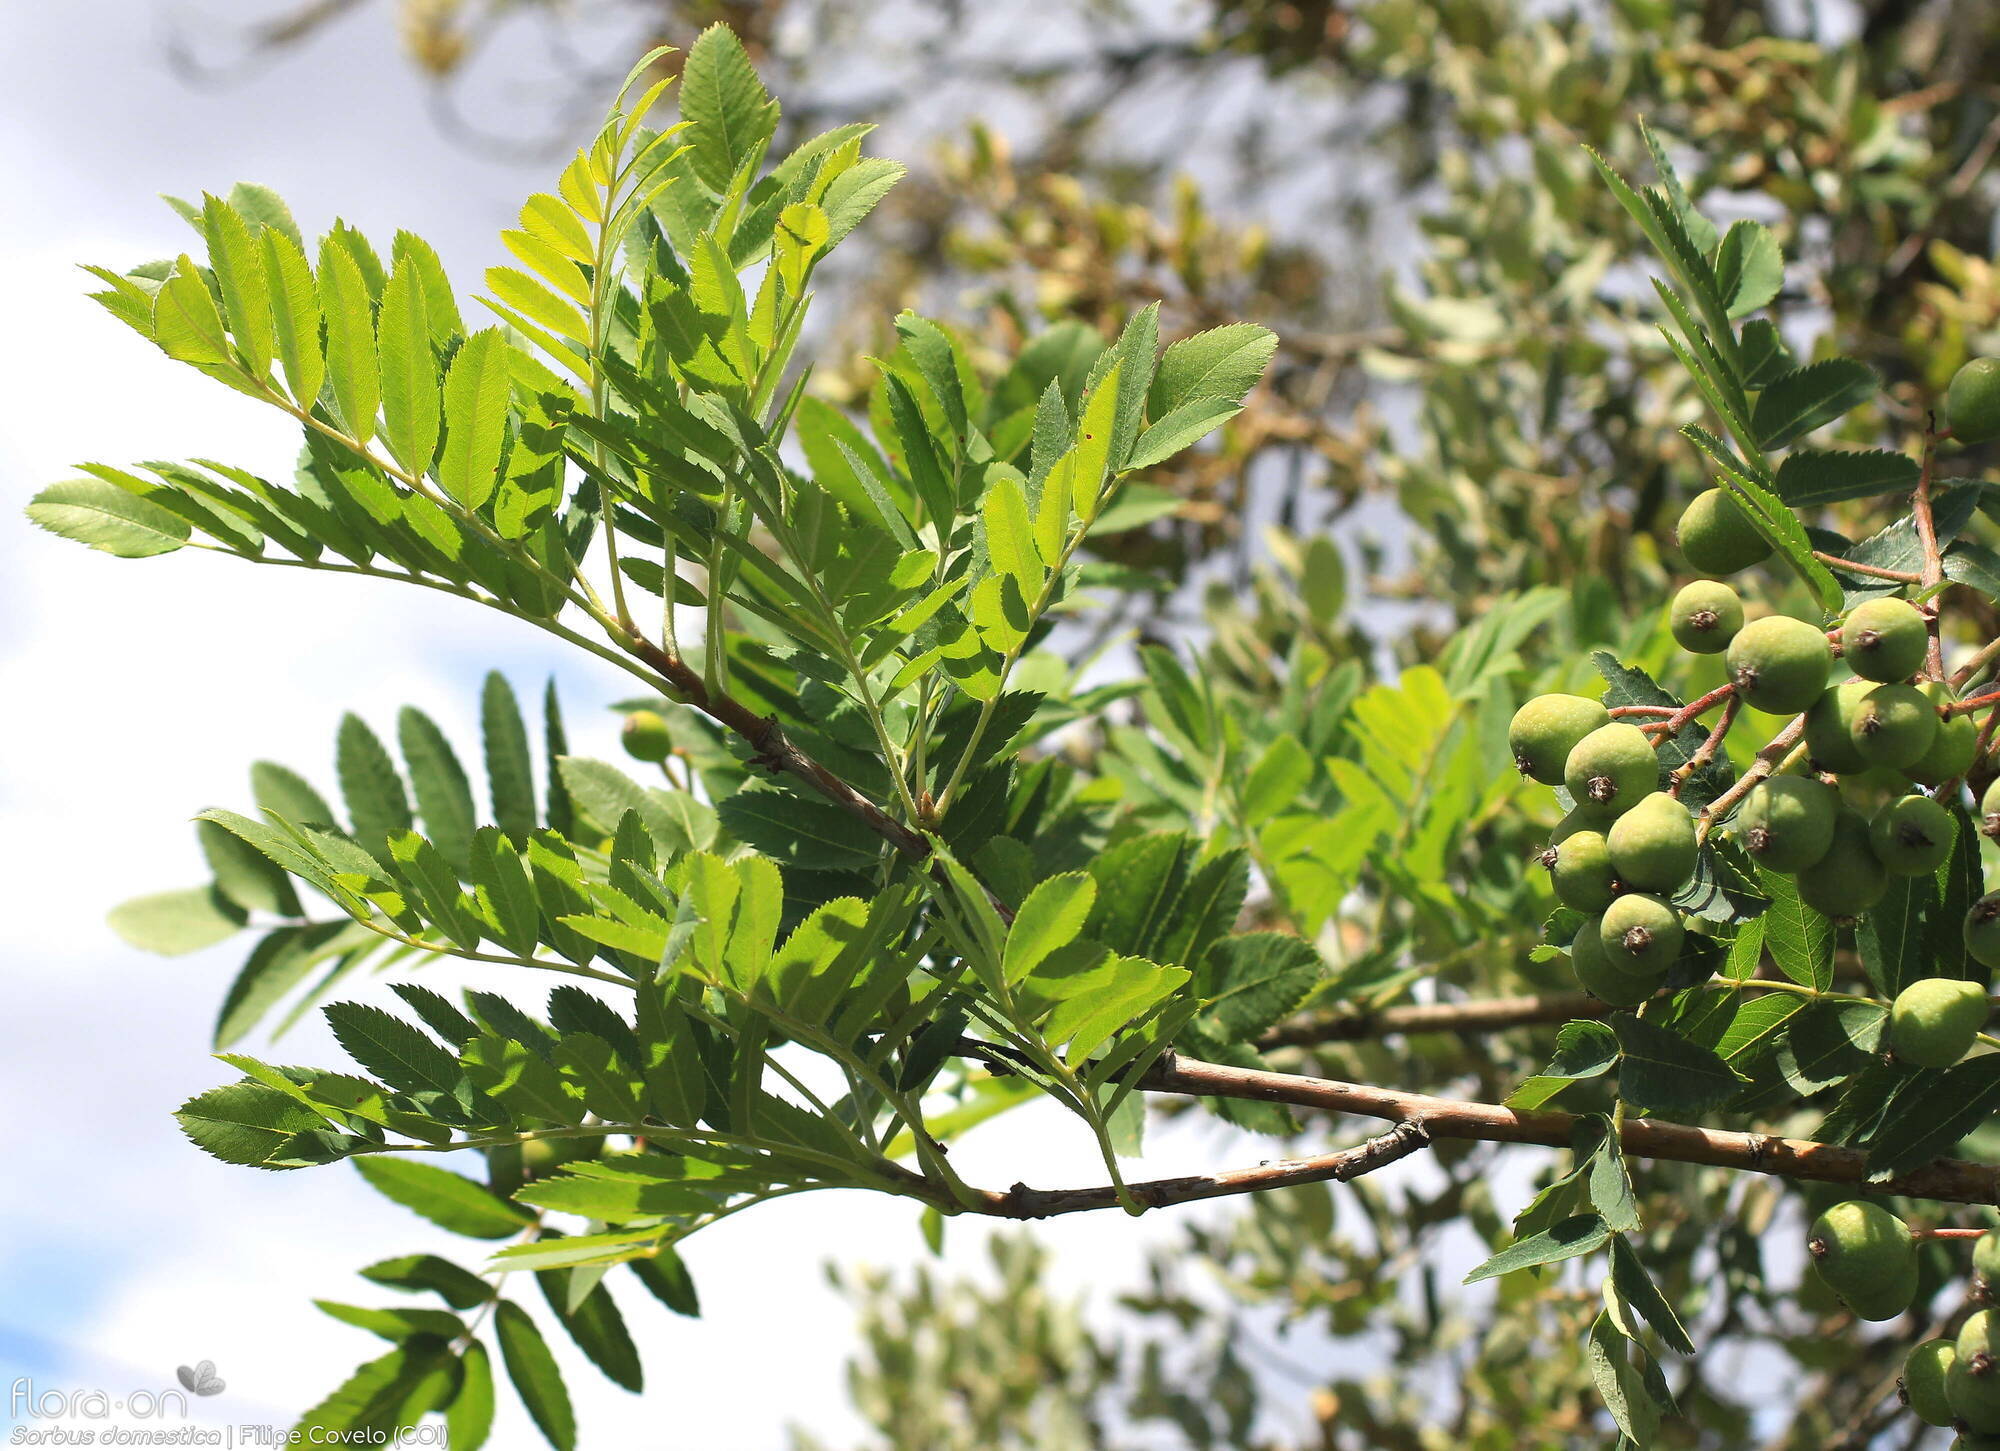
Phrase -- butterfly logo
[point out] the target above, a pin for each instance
(201, 1379)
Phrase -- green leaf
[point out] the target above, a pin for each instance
(457, 1286)
(444, 795)
(1249, 981)
(409, 373)
(1799, 939)
(1051, 917)
(468, 1418)
(1187, 424)
(379, 1397)
(533, 1371)
(247, 1123)
(595, 1325)
(510, 771)
(278, 963)
(176, 923)
(1010, 539)
(294, 302)
(286, 793)
(350, 338)
(1223, 363)
(1661, 1070)
(1749, 267)
(99, 513)
(668, 1279)
(1808, 398)
(245, 875)
(1810, 477)
(395, 1051)
(1584, 1049)
(1632, 1396)
(234, 257)
(733, 115)
(448, 1200)
(376, 802)
(1580, 1234)
(476, 391)
(1644, 1296)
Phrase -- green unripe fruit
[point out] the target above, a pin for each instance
(1705, 616)
(1830, 727)
(1986, 1256)
(1596, 975)
(1717, 537)
(1779, 664)
(1982, 930)
(1923, 1381)
(1867, 1257)
(1652, 845)
(1972, 1383)
(1641, 935)
(1546, 729)
(1884, 639)
(1972, 401)
(1786, 822)
(1952, 748)
(1580, 871)
(1989, 811)
(646, 737)
(1584, 816)
(1848, 880)
(1894, 725)
(1612, 767)
(1912, 837)
(1934, 1021)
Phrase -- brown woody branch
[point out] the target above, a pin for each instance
(771, 750)
(1445, 1118)
(1485, 1015)
(1021, 1202)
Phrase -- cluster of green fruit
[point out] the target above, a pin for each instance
(1868, 1258)
(1839, 810)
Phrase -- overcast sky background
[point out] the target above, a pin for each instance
(136, 692)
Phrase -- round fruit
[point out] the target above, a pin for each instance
(1972, 401)
(1973, 1382)
(1652, 845)
(1986, 1256)
(1830, 726)
(1885, 639)
(1544, 731)
(1717, 537)
(1596, 975)
(1705, 616)
(1952, 748)
(1935, 1020)
(1848, 880)
(1641, 935)
(1580, 871)
(1989, 811)
(1612, 767)
(1867, 1257)
(1982, 930)
(1894, 725)
(1912, 837)
(1786, 822)
(1779, 664)
(1923, 1380)
(646, 737)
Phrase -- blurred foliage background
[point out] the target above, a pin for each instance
(1462, 475)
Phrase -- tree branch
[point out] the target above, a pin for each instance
(1021, 1202)
(772, 751)
(1946, 1179)
(1485, 1015)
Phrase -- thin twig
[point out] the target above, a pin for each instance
(1855, 566)
(1478, 1016)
